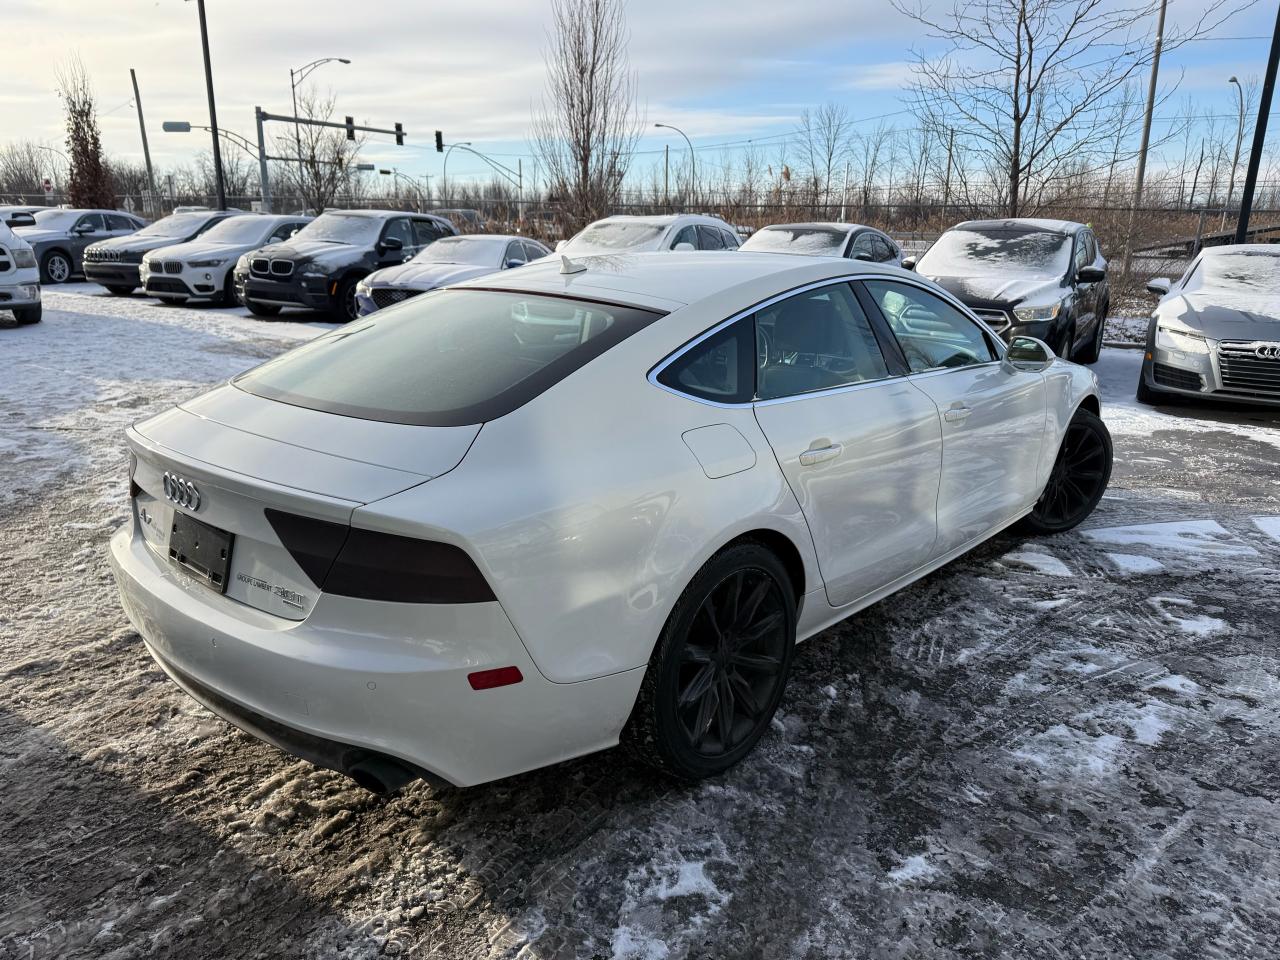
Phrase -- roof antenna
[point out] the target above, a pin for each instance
(568, 266)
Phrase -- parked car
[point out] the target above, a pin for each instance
(201, 269)
(116, 264)
(319, 267)
(19, 278)
(629, 234)
(60, 237)
(851, 240)
(516, 520)
(1216, 332)
(1025, 277)
(447, 261)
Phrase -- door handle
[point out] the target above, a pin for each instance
(820, 454)
(957, 413)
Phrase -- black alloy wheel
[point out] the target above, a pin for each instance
(1079, 476)
(345, 307)
(718, 672)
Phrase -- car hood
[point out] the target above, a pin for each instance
(1001, 288)
(136, 244)
(426, 276)
(39, 234)
(1225, 314)
(194, 249)
(315, 251)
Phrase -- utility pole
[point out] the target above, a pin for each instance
(1235, 163)
(263, 182)
(1146, 139)
(213, 110)
(666, 176)
(1259, 135)
(146, 150)
(946, 189)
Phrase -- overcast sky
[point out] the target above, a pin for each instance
(724, 71)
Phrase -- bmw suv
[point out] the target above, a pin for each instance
(116, 263)
(319, 266)
(1030, 278)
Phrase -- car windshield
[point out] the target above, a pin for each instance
(446, 358)
(57, 219)
(813, 241)
(617, 236)
(1240, 271)
(175, 225)
(1014, 250)
(481, 251)
(245, 229)
(341, 228)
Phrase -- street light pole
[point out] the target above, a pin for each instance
(693, 170)
(1146, 139)
(295, 78)
(444, 174)
(1231, 186)
(1259, 135)
(213, 111)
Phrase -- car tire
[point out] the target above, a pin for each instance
(262, 309)
(706, 650)
(1144, 393)
(25, 315)
(1062, 344)
(1091, 353)
(1079, 477)
(344, 307)
(55, 267)
(228, 296)
(119, 290)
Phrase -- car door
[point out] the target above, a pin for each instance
(1084, 293)
(90, 228)
(860, 446)
(863, 247)
(398, 229)
(709, 238)
(885, 250)
(684, 235)
(119, 225)
(992, 414)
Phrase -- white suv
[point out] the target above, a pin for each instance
(627, 234)
(19, 278)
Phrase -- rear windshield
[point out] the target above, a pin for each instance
(175, 225)
(616, 236)
(446, 358)
(814, 241)
(1013, 250)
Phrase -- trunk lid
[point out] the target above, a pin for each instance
(246, 454)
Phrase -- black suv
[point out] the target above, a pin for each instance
(320, 265)
(115, 263)
(1031, 278)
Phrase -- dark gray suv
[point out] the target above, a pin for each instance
(59, 238)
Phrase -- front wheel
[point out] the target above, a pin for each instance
(1078, 479)
(55, 267)
(344, 307)
(29, 314)
(718, 671)
(1093, 351)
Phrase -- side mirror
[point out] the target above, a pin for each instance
(84, 228)
(1159, 286)
(864, 257)
(684, 246)
(392, 243)
(1028, 353)
(512, 264)
(908, 263)
(1091, 274)
(21, 220)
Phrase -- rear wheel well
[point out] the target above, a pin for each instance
(781, 546)
(1091, 404)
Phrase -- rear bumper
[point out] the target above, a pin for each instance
(112, 274)
(389, 678)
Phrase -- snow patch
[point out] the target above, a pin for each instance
(914, 869)
(1071, 752)
(1132, 563)
(1198, 624)
(1268, 525)
(1206, 538)
(1045, 563)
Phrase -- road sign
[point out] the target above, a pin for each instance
(48, 188)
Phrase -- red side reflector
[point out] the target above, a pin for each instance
(488, 679)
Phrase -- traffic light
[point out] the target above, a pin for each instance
(399, 135)
(439, 142)
(351, 128)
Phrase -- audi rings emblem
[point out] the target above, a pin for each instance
(182, 492)
(1268, 351)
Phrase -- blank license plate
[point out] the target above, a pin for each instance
(200, 549)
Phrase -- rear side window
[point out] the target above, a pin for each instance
(446, 358)
(709, 238)
(426, 231)
(721, 368)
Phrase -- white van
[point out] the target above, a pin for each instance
(19, 277)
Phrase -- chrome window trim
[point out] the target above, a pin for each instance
(947, 298)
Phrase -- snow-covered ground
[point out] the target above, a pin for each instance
(1058, 747)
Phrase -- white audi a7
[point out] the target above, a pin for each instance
(521, 519)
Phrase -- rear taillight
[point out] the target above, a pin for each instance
(368, 565)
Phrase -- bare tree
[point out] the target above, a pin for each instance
(824, 136)
(328, 158)
(586, 128)
(22, 168)
(1039, 82)
(89, 181)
